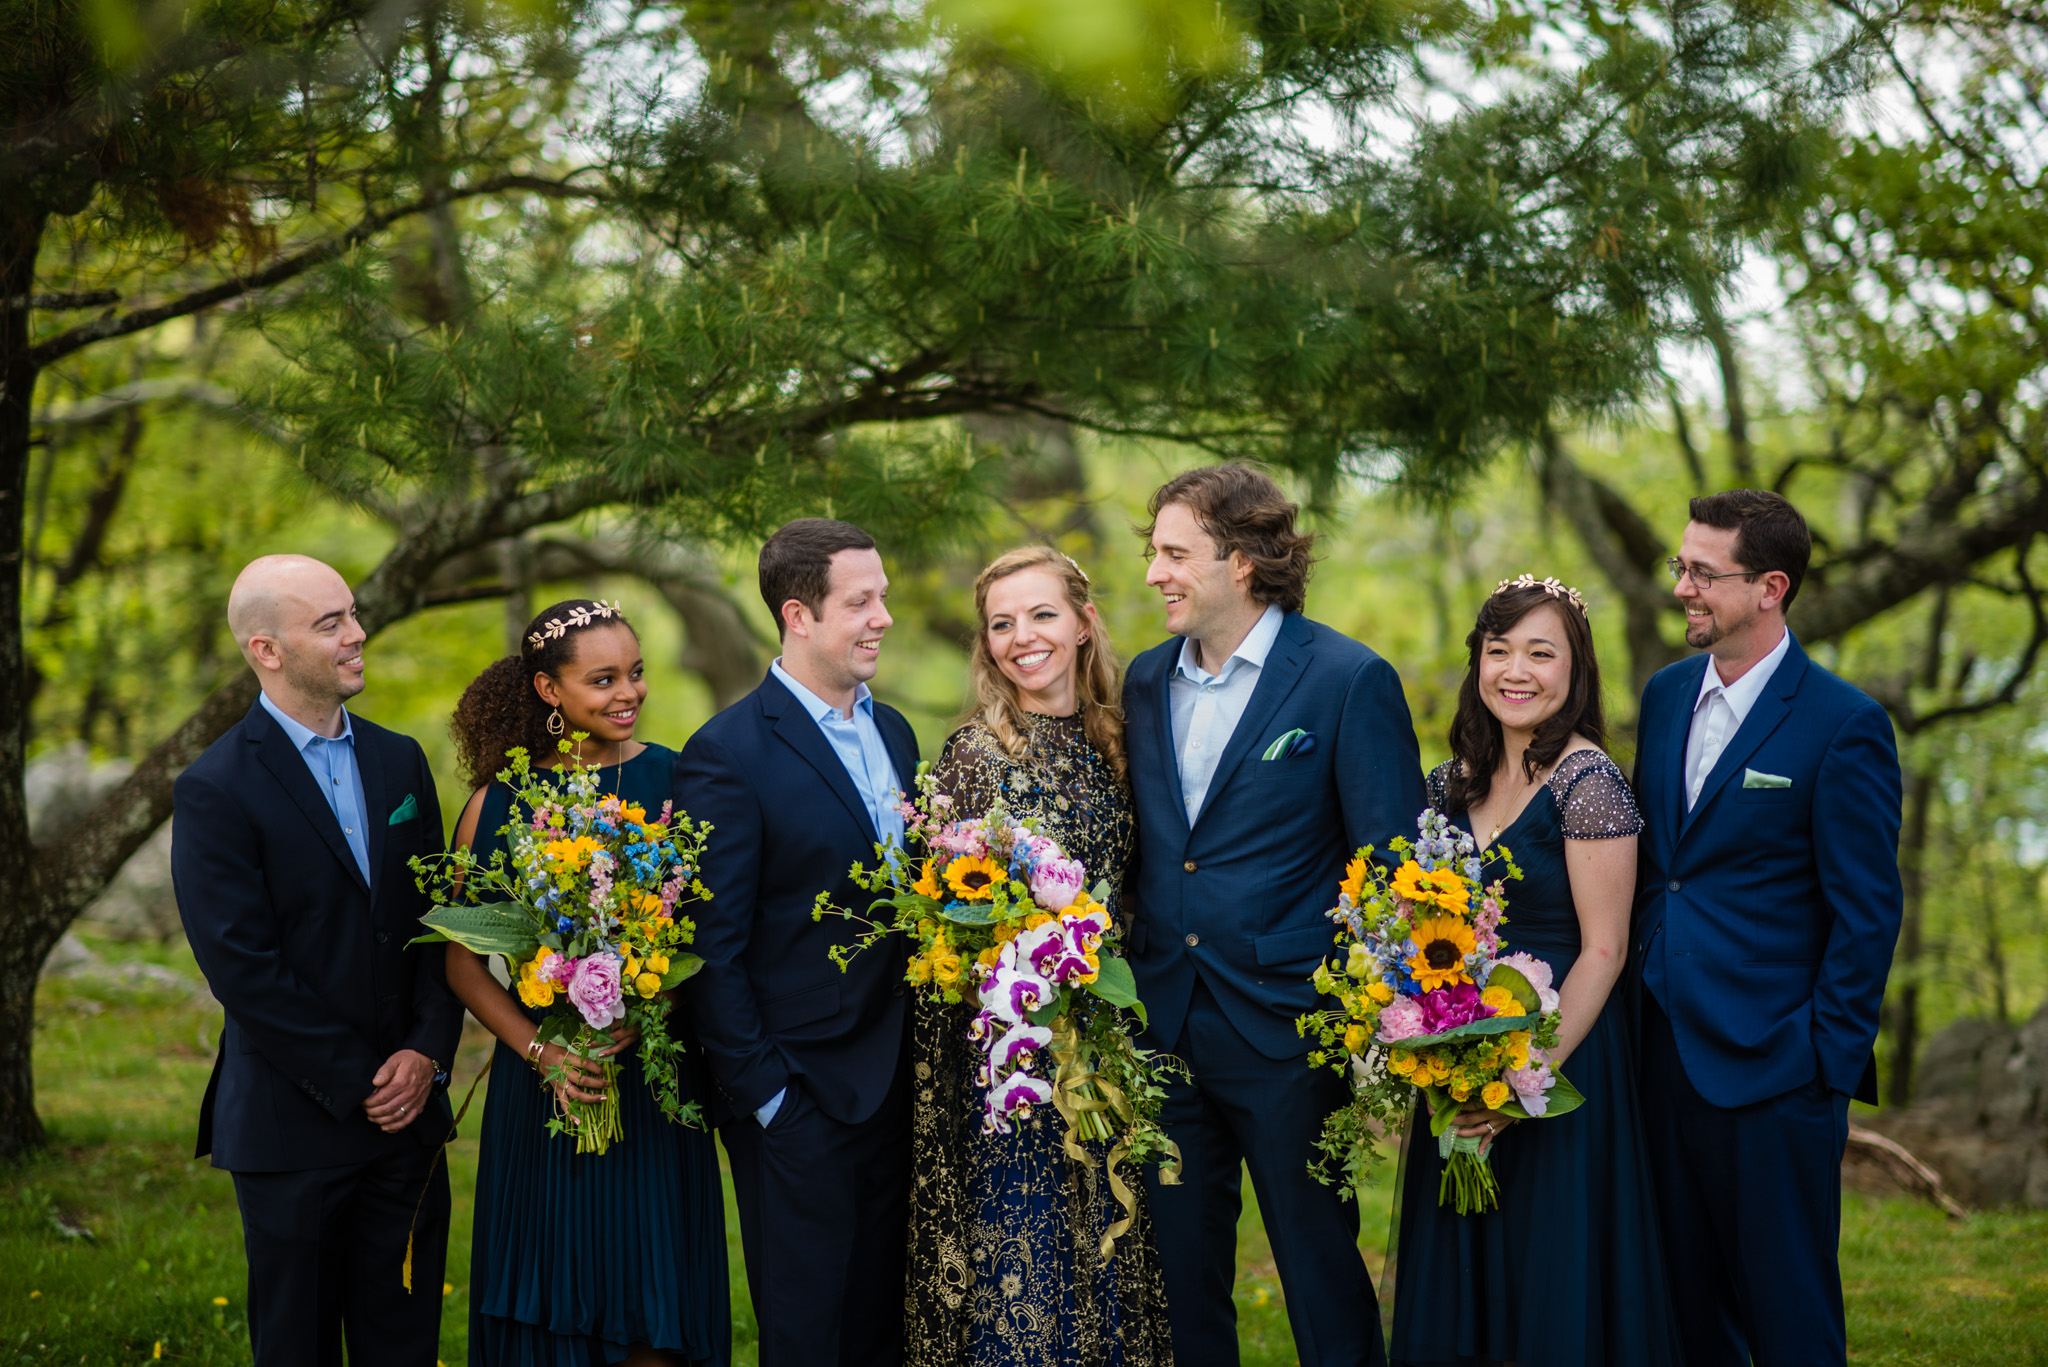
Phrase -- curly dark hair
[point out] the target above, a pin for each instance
(1242, 509)
(501, 711)
(1475, 731)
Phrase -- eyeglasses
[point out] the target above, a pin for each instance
(1701, 579)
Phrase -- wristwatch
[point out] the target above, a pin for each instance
(441, 1073)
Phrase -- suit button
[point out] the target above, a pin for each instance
(1671, 886)
(1193, 940)
(1189, 866)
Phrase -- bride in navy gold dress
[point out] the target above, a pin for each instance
(594, 1259)
(1567, 1271)
(1005, 1228)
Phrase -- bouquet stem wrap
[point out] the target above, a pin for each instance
(1468, 1180)
(1086, 1099)
(597, 1123)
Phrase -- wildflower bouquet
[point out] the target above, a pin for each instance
(585, 915)
(998, 916)
(1430, 1001)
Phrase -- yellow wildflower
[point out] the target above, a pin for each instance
(657, 963)
(647, 984)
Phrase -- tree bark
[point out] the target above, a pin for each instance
(1912, 874)
(21, 951)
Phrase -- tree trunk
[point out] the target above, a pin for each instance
(1912, 874)
(23, 949)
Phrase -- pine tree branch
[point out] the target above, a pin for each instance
(287, 268)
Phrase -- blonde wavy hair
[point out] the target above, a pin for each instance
(1095, 676)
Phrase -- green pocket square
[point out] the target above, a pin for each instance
(1279, 746)
(407, 810)
(1751, 778)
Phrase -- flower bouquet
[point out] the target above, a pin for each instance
(584, 912)
(1430, 1001)
(998, 916)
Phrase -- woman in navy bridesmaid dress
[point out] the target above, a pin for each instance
(1567, 1271)
(594, 1259)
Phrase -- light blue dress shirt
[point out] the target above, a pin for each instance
(333, 763)
(858, 743)
(1207, 707)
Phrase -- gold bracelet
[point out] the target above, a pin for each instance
(533, 1052)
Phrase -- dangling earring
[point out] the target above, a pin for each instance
(556, 726)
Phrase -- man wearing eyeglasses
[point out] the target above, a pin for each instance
(1768, 906)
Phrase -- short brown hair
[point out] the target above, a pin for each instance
(1243, 510)
(796, 562)
(1770, 534)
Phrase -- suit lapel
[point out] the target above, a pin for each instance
(1285, 663)
(1675, 743)
(796, 728)
(902, 753)
(1162, 698)
(288, 767)
(1771, 708)
(376, 803)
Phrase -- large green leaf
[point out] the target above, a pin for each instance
(1492, 1025)
(970, 913)
(1564, 1098)
(1517, 983)
(1116, 985)
(493, 928)
(680, 966)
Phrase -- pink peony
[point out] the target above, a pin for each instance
(594, 991)
(1400, 1019)
(1057, 883)
(1531, 1085)
(1450, 1007)
(1539, 976)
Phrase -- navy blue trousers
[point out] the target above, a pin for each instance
(1751, 1203)
(1244, 1110)
(824, 1220)
(326, 1251)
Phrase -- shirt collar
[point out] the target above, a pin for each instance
(1743, 693)
(1257, 644)
(302, 735)
(863, 700)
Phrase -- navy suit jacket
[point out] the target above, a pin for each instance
(1240, 898)
(311, 965)
(1766, 916)
(769, 1004)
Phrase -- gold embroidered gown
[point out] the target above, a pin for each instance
(1005, 1228)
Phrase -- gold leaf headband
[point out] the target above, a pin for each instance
(576, 619)
(1555, 588)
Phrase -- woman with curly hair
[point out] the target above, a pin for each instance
(578, 1261)
(1005, 1228)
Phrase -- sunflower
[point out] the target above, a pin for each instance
(1441, 944)
(1408, 881)
(974, 878)
(927, 884)
(1353, 885)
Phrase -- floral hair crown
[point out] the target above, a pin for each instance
(574, 620)
(1557, 589)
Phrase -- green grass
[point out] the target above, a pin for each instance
(115, 1241)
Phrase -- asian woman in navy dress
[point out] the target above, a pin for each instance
(1567, 1271)
(580, 1260)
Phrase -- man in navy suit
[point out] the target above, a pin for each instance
(1264, 750)
(1765, 921)
(328, 1100)
(798, 780)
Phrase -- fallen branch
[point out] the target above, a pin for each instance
(1911, 1172)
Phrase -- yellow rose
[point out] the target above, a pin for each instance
(1461, 1089)
(532, 989)
(1037, 919)
(920, 970)
(1502, 1001)
(1379, 992)
(1495, 1094)
(1518, 1048)
(1354, 1039)
(1402, 1062)
(647, 984)
(987, 958)
(945, 967)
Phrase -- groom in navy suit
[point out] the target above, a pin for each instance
(1264, 749)
(328, 1100)
(1768, 907)
(813, 1096)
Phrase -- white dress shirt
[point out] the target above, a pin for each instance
(332, 760)
(1719, 713)
(1207, 707)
